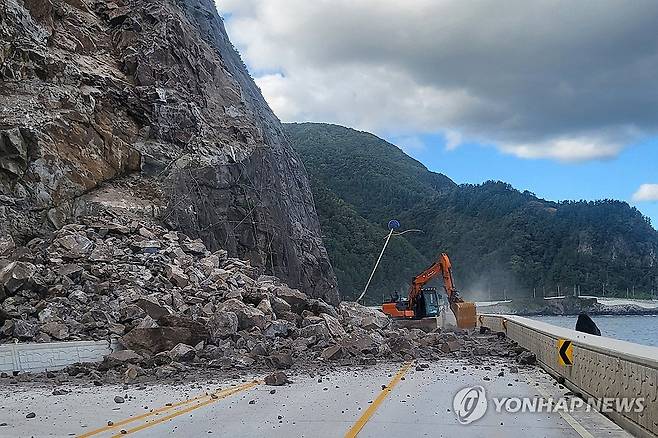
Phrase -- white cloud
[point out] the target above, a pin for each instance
(453, 140)
(566, 149)
(410, 144)
(646, 192)
(536, 82)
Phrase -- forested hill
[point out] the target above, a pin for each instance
(503, 242)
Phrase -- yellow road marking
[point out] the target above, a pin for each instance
(354, 431)
(567, 417)
(156, 412)
(218, 396)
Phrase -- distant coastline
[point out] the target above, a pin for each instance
(570, 306)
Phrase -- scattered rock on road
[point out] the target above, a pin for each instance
(278, 378)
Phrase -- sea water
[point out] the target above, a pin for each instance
(640, 329)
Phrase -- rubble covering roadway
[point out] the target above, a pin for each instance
(177, 307)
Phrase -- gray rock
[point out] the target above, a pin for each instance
(361, 342)
(280, 306)
(222, 325)
(335, 328)
(265, 306)
(152, 308)
(362, 316)
(278, 378)
(7, 244)
(145, 246)
(176, 275)
(319, 333)
(278, 328)
(182, 353)
(75, 246)
(248, 316)
(297, 300)
(280, 360)
(311, 320)
(259, 350)
(25, 330)
(399, 344)
(155, 340)
(56, 330)
(450, 346)
(319, 307)
(122, 356)
(335, 352)
(242, 361)
(527, 358)
(194, 247)
(14, 277)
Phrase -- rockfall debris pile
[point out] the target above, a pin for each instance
(173, 305)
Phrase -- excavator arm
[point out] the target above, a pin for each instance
(443, 267)
(464, 312)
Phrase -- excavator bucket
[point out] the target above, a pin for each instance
(465, 314)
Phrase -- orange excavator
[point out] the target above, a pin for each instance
(423, 302)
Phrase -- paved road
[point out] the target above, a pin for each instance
(343, 403)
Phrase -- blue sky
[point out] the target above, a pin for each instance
(616, 178)
(532, 98)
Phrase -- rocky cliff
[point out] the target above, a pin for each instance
(143, 107)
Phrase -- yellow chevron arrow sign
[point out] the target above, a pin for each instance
(565, 352)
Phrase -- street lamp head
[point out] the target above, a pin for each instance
(393, 224)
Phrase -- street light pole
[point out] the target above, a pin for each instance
(392, 226)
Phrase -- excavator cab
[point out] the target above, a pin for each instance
(427, 303)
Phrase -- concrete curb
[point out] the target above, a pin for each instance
(52, 356)
(603, 367)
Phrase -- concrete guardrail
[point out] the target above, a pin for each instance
(602, 367)
(51, 356)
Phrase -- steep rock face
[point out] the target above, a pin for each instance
(143, 107)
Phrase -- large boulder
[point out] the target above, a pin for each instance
(25, 330)
(74, 246)
(182, 353)
(56, 330)
(248, 316)
(279, 306)
(121, 357)
(14, 277)
(281, 360)
(278, 328)
(297, 300)
(150, 341)
(316, 333)
(278, 378)
(176, 275)
(399, 344)
(335, 352)
(362, 316)
(222, 325)
(319, 307)
(361, 341)
(152, 308)
(333, 325)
